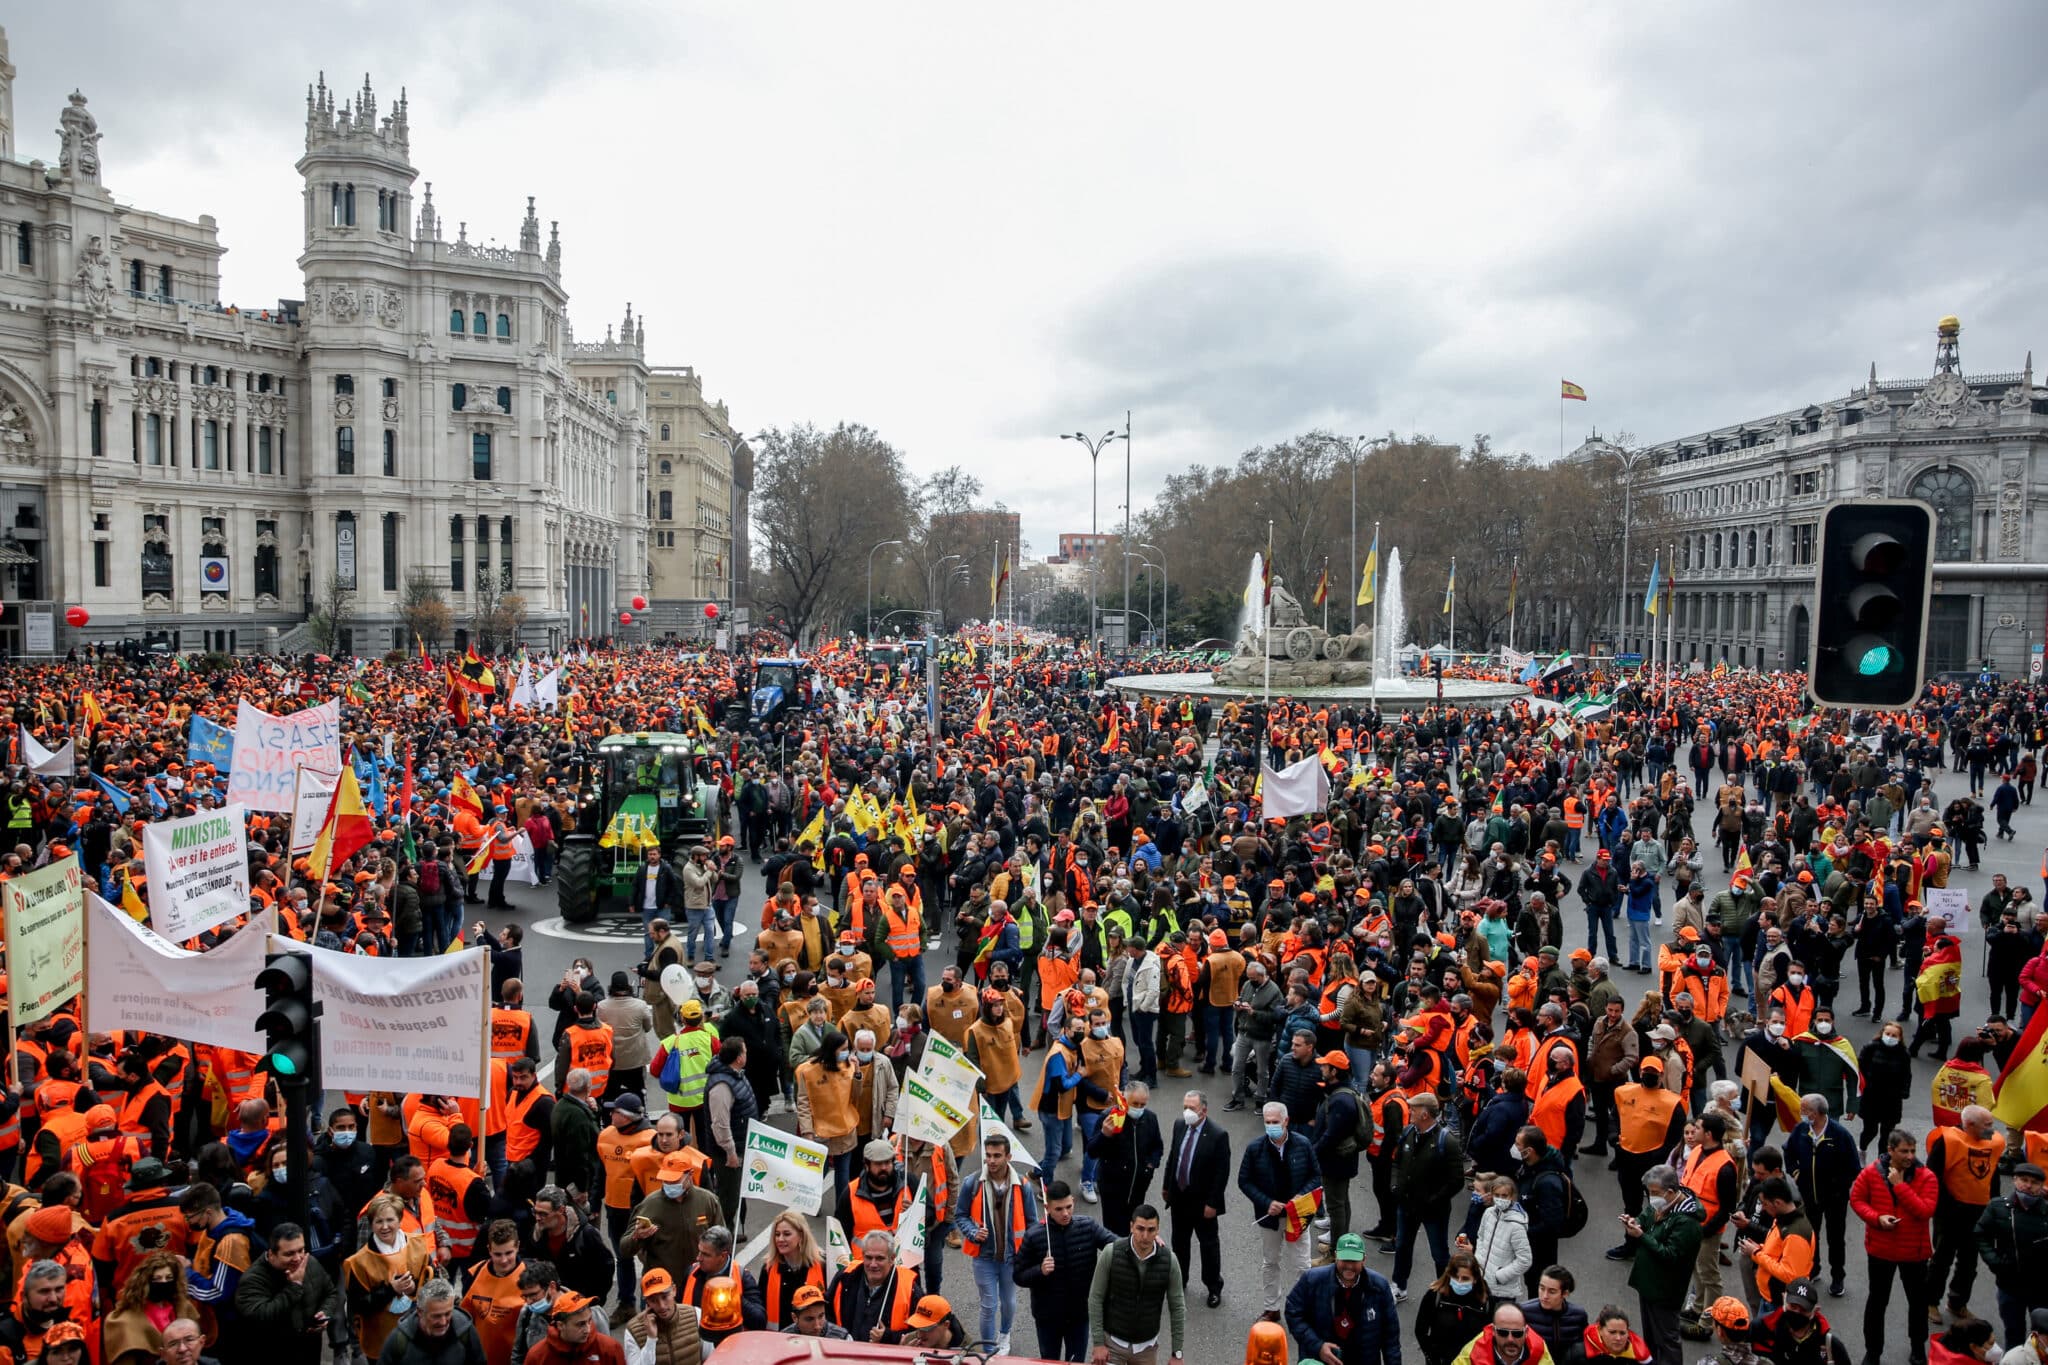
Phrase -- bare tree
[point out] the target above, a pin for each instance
(330, 617)
(822, 501)
(424, 609)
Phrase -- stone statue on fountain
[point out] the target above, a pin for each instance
(1296, 653)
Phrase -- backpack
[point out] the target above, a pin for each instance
(1575, 1212)
(430, 877)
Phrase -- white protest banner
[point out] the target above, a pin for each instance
(312, 794)
(783, 1168)
(45, 762)
(198, 871)
(142, 980)
(922, 1114)
(911, 1250)
(523, 869)
(947, 1071)
(270, 749)
(993, 1126)
(45, 925)
(1301, 788)
(413, 1024)
(1950, 902)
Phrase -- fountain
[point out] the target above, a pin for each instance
(1278, 651)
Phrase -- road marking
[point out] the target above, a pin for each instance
(628, 930)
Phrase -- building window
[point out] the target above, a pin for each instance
(390, 387)
(665, 466)
(210, 377)
(1953, 494)
(458, 397)
(664, 436)
(344, 383)
(504, 400)
(24, 245)
(153, 438)
(156, 557)
(1749, 550)
(668, 505)
(263, 450)
(163, 283)
(209, 444)
(266, 559)
(505, 554)
(391, 552)
(344, 450)
(480, 456)
(103, 564)
(505, 325)
(455, 553)
(1767, 546)
(99, 428)
(455, 320)
(1717, 549)
(390, 453)
(482, 325)
(348, 205)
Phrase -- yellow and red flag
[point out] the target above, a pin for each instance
(988, 710)
(460, 793)
(1115, 735)
(1322, 593)
(2020, 1094)
(483, 853)
(1959, 1085)
(348, 827)
(1939, 987)
(1572, 390)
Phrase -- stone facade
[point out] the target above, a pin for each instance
(198, 473)
(1743, 505)
(697, 504)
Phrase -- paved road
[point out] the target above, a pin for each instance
(1218, 1334)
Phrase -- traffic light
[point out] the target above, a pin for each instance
(288, 1014)
(1871, 594)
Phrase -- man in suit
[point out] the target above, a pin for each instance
(1197, 1177)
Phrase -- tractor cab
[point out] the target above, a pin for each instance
(643, 791)
(778, 685)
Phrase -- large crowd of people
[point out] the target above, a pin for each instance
(1441, 1061)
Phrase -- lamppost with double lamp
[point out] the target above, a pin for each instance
(1094, 447)
(1369, 443)
(1629, 459)
(869, 631)
(1165, 582)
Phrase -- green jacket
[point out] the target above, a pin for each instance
(1665, 1253)
(1733, 909)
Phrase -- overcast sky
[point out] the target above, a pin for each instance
(973, 233)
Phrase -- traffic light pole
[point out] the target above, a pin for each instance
(291, 1055)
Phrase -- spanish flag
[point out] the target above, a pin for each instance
(1116, 733)
(348, 827)
(1322, 593)
(425, 662)
(1572, 390)
(1939, 987)
(460, 793)
(483, 853)
(988, 708)
(89, 709)
(2020, 1094)
(1369, 585)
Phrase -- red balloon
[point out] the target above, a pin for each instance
(711, 611)
(625, 618)
(76, 616)
(639, 604)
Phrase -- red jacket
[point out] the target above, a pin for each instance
(2034, 979)
(1911, 1200)
(599, 1350)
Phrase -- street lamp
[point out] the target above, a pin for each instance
(1165, 582)
(1094, 447)
(1629, 460)
(1371, 443)
(1150, 620)
(733, 445)
(870, 631)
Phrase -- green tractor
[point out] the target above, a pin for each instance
(638, 786)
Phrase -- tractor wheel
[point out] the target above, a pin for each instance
(576, 879)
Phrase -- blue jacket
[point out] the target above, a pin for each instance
(1311, 1317)
(1642, 897)
(1823, 1170)
(1265, 1175)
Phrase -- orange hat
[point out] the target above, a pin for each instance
(1230, 883)
(1652, 1063)
(100, 1116)
(1218, 939)
(1336, 1059)
(806, 1296)
(1686, 933)
(1307, 898)
(1727, 1311)
(1806, 877)
(64, 1333)
(931, 1311)
(657, 1281)
(681, 1162)
(1582, 955)
(51, 1226)
(568, 1302)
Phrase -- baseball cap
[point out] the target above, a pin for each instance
(1351, 1247)
(1336, 1059)
(807, 1296)
(63, 1332)
(629, 1102)
(1649, 1064)
(1732, 1313)
(692, 1009)
(931, 1311)
(568, 1302)
(679, 1163)
(657, 1281)
(1800, 1294)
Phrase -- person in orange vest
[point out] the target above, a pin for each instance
(146, 1221)
(1560, 1109)
(878, 1198)
(529, 1115)
(628, 1132)
(873, 1298)
(587, 1046)
(462, 1196)
(61, 1130)
(994, 1209)
(491, 1294)
(1964, 1159)
(102, 1162)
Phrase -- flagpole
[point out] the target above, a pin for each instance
(1266, 637)
(1375, 617)
(1451, 606)
(1514, 568)
(1326, 594)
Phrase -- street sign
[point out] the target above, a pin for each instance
(2034, 661)
(981, 680)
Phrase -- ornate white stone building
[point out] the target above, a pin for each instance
(1744, 504)
(197, 473)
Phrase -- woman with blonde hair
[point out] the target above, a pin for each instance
(153, 1297)
(795, 1263)
(379, 1282)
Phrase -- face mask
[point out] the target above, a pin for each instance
(1503, 1203)
(865, 1057)
(674, 1189)
(541, 1309)
(1656, 1202)
(1276, 1131)
(903, 1023)
(2027, 1200)
(1777, 1030)
(1100, 1030)
(1703, 962)
(1798, 978)
(279, 1174)
(162, 1293)
(788, 977)
(1461, 1286)
(1889, 1039)
(1823, 1028)
(345, 1138)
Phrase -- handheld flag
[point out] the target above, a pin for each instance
(1572, 391)
(347, 828)
(1116, 734)
(988, 708)
(461, 794)
(1650, 597)
(2020, 1095)
(122, 800)
(1369, 585)
(1514, 581)
(911, 1252)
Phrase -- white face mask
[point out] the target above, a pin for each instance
(1798, 978)
(1823, 1028)
(1889, 1039)
(1777, 1030)
(1190, 1117)
(1503, 1203)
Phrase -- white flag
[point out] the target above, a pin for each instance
(548, 691)
(911, 1249)
(522, 691)
(837, 1250)
(1298, 789)
(43, 762)
(992, 1126)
